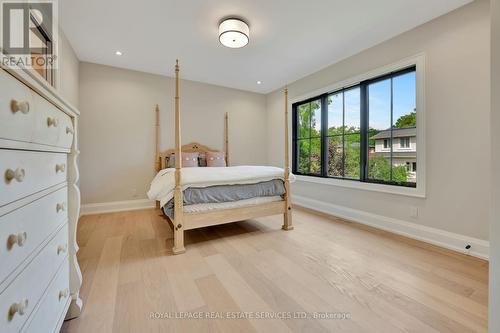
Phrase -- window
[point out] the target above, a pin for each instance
(411, 166)
(404, 142)
(39, 38)
(348, 133)
(308, 135)
(343, 134)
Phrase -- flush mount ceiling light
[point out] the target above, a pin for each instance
(233, 33)
(118, 53)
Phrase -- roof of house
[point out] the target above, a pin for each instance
(396, 133)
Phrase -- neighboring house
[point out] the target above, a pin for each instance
(404, 148)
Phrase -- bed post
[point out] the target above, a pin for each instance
(226, 137)
(157, 137)
(178, 200)
(287, 216)
(157, 154)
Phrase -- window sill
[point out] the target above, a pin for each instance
(390, 189)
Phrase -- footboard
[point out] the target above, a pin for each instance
(221, 216)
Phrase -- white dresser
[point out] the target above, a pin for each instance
(39, 206)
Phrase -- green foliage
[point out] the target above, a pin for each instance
(352, 151)
(335, 156)
(344, 154)
(380, 168)
(399, 173)
(309, 143)
(407, 120)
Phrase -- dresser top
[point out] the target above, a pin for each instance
(39, 85)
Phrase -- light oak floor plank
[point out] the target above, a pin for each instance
(386, 283)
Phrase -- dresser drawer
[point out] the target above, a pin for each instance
(22, 295)
(66, 131)
(47, 122)
(52, 305)
(25, 172)
(17, 116)
(23, 230)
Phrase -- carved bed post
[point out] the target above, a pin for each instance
(157, 154)
(178, 200)
(287, 216)
(226, 137)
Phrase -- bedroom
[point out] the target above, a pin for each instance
(337, 173)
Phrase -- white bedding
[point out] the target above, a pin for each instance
(227, 205)
(162, 186)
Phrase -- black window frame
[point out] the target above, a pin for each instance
(310, 138)
(364, 123)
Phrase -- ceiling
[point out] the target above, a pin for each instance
(288, 39)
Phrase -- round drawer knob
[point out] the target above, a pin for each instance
(62, 249)
(17, 174)
(52, 121)
(18, 239)
(63, 293)
(19, 308)
(60, 167)
(69, 130)
(61, 207)
(20, 106)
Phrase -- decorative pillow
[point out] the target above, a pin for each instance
(202, 160)
(171, 161)
(189, 160)
(216, 159)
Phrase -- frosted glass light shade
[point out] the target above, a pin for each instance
(234, 33)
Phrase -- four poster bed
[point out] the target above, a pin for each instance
(196, 197)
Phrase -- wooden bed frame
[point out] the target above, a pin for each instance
(186, 221)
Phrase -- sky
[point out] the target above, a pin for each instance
(404, 102)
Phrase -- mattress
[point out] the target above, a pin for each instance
(227, 194)
(163, 185)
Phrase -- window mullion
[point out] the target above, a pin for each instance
(364, 132)
(310, 141)
(343, 133)
(324, 135)
(392, 122)
(294, 139)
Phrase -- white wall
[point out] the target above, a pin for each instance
(457, 48)
(494, 307)
(67, 73)
(117, 127)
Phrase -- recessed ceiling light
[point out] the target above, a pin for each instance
(118, 53)
(259, 82)
(233, 33)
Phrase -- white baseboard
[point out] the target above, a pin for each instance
(452, 241)
(116, 206)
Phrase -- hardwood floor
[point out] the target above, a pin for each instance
(377, 281)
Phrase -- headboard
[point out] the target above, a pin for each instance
(193, 147)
